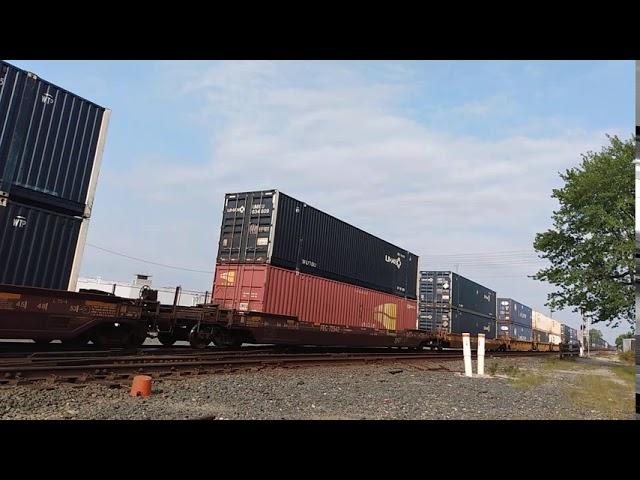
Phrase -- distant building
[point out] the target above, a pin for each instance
(628, 344)
(132, 290)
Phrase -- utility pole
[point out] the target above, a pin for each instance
(588, 335)
(582, 332)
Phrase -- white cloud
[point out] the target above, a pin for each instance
(339, 142)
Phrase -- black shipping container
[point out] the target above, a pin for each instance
(51, 143)
(569, 335)
(39, 248)
(450, 290)
(452, 320)
(271, 227)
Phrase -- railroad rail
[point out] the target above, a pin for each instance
(116, 368)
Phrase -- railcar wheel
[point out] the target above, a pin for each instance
(137, 338)
(115, 336)
(166, 339)
(198, 340)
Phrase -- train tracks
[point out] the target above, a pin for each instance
(116, 367)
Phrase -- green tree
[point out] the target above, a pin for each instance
(591, 245)
(594, 335)
(619, 339)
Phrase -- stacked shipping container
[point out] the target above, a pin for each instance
(514, 320)
(451, 303)
(569, 335)
(279, 255)
(51, 144)
(546, 329)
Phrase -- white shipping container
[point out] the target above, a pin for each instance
(541, 322)
(556, 328)
(554, 339)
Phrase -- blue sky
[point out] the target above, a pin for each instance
(448, 159)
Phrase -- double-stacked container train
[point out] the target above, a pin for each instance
(451, 304)
(286, 272)
(51, 144)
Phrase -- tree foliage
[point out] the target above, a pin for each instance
(619, 338)
(591, 245)
(595, 335)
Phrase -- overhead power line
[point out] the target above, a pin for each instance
(503, 252)
(148, 261)
(472, 262)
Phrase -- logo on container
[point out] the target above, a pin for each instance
(394, 261)
(309, 263)
(254, 229)
(228, 277)
(487, 297)
(258, 209)
(19, 221)
(47, 98)
(236, 209)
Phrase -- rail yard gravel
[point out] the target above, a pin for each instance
(399, 390)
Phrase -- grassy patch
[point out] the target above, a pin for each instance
(628, 357)
(523, 379)
(626, 373)
(512, 370)
(492, 368)
(595, 392)
(528, 380)
(568, 363)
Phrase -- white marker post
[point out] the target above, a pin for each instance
(481, 354)
(466, 350)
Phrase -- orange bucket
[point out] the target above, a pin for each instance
(141, 386)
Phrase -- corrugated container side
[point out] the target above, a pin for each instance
(569, 335)
(38, 248)
(472, 296)
(514, 331)
(555, 339)
(541, 322)
(467, 322)
(510, 311)
(445, 288)
(265, 288)
(271, 227)
(246, 231)
(539, 336)
(451, 320)
(49, 142)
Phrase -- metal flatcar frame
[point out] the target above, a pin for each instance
(106, 320)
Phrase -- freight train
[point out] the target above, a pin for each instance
(109, 321)
(261, 294)
(286, 272)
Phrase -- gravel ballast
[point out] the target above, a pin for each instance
(396, 390)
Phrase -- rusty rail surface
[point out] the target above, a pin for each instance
(84, 367)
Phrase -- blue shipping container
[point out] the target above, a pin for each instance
(510, 311)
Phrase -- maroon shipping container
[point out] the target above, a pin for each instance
(317, 300)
